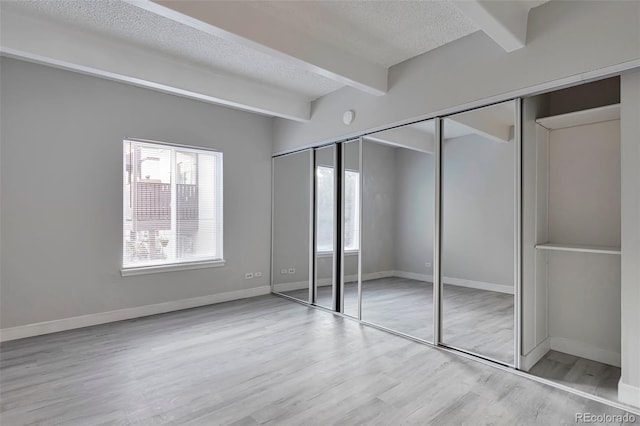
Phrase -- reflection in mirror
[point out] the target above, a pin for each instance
(478, 250)
(325, 227)
(292, 224)
(398, 172)
(351, 226)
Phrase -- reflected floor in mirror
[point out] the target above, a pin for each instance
(579, 373)
(476, 320)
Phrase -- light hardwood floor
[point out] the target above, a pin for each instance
(479, 321)
(261, 361)
(584, 374)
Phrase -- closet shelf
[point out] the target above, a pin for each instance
(579, 248)
(579, 118)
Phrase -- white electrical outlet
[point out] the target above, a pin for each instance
(257, 274)
(292, 270)
(248, 275)
(283, 271)
(428, 264)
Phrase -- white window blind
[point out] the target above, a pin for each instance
(172, 199)
(325, 209)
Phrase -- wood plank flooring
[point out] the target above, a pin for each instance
(584, 374)
(479, 321)
(261, 361)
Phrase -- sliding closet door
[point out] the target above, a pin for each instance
(291, 227)
(479, 211)
(351, 214)
(325, 226)
(398, 173)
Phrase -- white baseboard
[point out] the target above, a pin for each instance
(500, 288)
(585, 350)
(377, 275)
(628, 394)
(29, 330)
(413, 276)
(480, 285)
(529, 360)
(298, 285)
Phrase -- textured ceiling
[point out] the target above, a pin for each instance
(382, 32)
(115, 18)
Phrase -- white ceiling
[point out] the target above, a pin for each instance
(384, 32)
(124, 21)
(264, 56)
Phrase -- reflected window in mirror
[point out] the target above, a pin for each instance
(325, 213)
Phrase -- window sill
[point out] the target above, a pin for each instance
(141, 270)
(330, 253)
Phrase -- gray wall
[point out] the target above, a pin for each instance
(585, 96)
(378, 210)
(478, 210)
(414, 211)
(478, 202)
(291, 217)
(61, 194)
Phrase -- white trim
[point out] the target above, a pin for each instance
(154, 269)
(480, 285)
(376, 275)
(500, 288)
(628, 394)
(585, 350)
(413, 276)
(530, 359)
(580, 118)
(579, 248)
(299, 285)
(36, 329)
(330, 253)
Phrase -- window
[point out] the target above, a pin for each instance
(351, 210)
(172, 205)
(325, 209)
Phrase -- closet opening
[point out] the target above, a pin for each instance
(571, 238)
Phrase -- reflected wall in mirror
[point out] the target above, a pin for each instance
(398, 172)
(292, 225)
(350, 226)
(325, 213)
(478, 221)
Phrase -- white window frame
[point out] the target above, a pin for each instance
(328, 253)
(188, 264)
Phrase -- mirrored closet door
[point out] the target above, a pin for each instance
(398, 173)
(292, 225)
(478, 226)
(325, 226)
(351, 217)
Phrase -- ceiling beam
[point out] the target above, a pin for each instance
(241, 22)
(405, 137)
(504, 21)
(47, 42)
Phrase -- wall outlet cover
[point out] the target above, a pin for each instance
(257, 274)
(248, 275)
(292, 270)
